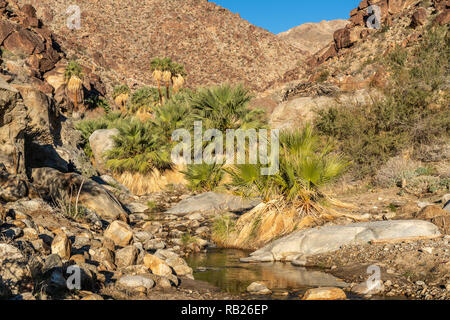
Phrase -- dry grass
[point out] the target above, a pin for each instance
(275, 219)
(141, 184)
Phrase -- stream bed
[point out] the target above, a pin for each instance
(222, 268)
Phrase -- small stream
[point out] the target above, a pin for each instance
(222, 268)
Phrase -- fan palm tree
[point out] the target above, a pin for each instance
(73, 77)
(158, 66)
(225, 107)
(143, 98)
(165, 70)
(137, 149)
(178, 83)
(120, 95)
(167, 77)
(305, 166)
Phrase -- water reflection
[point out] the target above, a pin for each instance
(223, 269)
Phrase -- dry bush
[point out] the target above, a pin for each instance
(395, 171)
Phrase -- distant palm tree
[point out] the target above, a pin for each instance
(120, 95)
(178, 83)
(166, 70)
(73, 76)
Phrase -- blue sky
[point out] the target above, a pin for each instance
(280, 15)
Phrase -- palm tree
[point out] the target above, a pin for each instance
(225, 107)
(173, 115)
(120, 95)
(137, 149)
(73, 77)
(158, 66)
(143, 99)
(305, 167)
(165, 70)
(167, 77)
(157, 75)
(178, 82)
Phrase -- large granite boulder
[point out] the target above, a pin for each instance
(212, 202)
(101, 142)
(331, 238)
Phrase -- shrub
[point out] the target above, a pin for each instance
(94, 102)
(323, 76)
(396, 171)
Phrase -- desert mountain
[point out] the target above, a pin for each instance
(120, 37)
(312, 37)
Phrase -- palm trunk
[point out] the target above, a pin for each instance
(159, 91)
(76, 101)
(167, 90)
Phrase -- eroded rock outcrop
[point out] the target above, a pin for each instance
(53, 184)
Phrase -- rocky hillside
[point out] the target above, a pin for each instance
(120, 37)
(311, 37)
(348, 70)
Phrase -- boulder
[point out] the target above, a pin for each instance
(126, 256)
(157, 266)
(212, 202)
(331, 238)
(52, 184)
(258, 288)
(120, 233)
(419, 18)
(363, 289)
(32, 132)
(6, 28)
(325, 294)
(12, 188)
(24, 41)
(132, 282)
(299, 110)
(346, 37)
(101, 142)
(13, 272)
(61, 246)
(136, 207)
(430, 212)
(443, 18)
(104, 256)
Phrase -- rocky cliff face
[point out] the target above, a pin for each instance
(33, 129)
(311, 37)
(215, 45)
